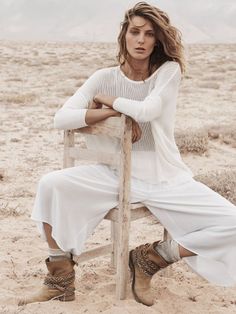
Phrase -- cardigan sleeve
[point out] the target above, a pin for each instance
(150, 108)
(72, 114)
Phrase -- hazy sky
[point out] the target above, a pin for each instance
(199, 21)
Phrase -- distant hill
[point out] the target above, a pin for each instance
(199, 21)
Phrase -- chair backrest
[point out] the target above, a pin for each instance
(117, 127)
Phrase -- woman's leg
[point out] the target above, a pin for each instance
(68, 206)
(184, 252)
(48, 234)
(146, 260)
(202, 225)
(60, 267)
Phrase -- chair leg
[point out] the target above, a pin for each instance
(122, 273)
(114, 239)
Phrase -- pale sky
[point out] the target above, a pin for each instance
(91, 20)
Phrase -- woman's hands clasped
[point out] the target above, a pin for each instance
(94, 105)
(136, 130)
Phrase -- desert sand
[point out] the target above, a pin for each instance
(36, 79)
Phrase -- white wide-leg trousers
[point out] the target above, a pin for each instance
(74, 200)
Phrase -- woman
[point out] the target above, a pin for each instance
(144, 86)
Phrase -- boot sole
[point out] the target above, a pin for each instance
(64, 298)
(132, 270)
(61, 298)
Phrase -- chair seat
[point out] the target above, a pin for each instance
(138, 210)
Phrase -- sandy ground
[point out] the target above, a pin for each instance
(36, 79)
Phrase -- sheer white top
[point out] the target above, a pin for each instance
(152, 103)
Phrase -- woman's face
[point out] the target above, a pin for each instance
(140, 38)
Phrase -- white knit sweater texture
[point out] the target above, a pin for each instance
(152, 103)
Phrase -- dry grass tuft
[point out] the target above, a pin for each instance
(226, 134)
(9, 211)
(210, 78)
(232, 88)
(80, 82)
(223, 182)
(14, 79)
(210, 85)
(67, 92)
(231, 68)
(192, 141)
(20, 98)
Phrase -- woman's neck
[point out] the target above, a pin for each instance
(136, 71)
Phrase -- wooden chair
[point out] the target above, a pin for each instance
(124, 213)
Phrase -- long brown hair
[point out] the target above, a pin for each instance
(168, 38)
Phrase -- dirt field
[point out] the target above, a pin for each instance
(36, 79)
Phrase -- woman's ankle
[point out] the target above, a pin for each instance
(58, 255)
(184, 252)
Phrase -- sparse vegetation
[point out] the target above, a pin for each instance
(19, 98)
(7, 210)
(222, 182)
(225, 133)
(211, 85)
(192, 141)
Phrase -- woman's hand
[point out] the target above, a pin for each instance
(97, 103)
(104, 99)
(94, 105)
(136, 131)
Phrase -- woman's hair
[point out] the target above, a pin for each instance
(168, 38)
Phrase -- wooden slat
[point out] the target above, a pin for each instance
(110, 127)
(124, 210)
(93, 155)
(93, 253)
(139, 211)
(114, 233)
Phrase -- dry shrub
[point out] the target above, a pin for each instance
(80, 82)
(9, 211)
(75, 76)
(231, 68)
(210, 78)
(226, 134)
(218, 69)
(232, 88)
(35, 52)
(20, 98)
(223, 182)
(51, 62)
(67, 92)
(188, 77)
(192, 141)
(14, 79)
(211, 85)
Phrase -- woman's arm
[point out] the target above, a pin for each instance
(95, 115)
(74, 113)
(167, 85)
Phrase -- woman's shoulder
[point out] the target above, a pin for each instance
(170, 65)
(101, 75)
(102, 72)
(168, 69)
